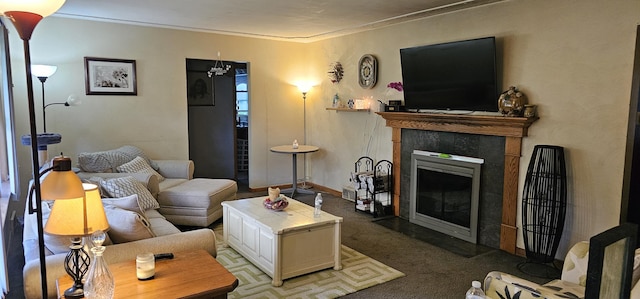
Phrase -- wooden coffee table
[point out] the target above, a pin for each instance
(282, 244)
(190, 274)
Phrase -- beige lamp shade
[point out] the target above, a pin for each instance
(40, 7)
(61, 182)
(79, 216)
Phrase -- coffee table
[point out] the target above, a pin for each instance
(190, 274)
(283, 244)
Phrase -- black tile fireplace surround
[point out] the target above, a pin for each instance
(489, 148)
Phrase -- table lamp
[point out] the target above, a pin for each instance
(77, 218)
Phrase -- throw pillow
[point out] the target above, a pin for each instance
(107, 161)
(139, 165)
(126, 226)
(129, 203)
(133, 152)
(125, 186)
(98, 182)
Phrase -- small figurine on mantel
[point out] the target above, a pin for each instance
(511, 102)
(336, 101)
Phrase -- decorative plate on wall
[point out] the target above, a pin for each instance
(367, 71)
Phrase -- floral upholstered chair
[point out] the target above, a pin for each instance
(572, 283)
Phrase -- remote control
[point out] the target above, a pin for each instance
(162, 256)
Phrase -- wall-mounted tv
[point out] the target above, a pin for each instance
(457, 75)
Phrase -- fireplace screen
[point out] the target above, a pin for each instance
(444, 196)
(445, 193)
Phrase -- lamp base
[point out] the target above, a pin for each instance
(74, 292)
(76, 263)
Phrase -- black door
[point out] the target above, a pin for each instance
(212, 120)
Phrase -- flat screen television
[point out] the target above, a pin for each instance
(457, 76)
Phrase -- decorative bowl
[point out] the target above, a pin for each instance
(278, 204)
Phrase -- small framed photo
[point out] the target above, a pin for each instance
(200, 89)
(106, 76)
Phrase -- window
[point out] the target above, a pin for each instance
(242, 99)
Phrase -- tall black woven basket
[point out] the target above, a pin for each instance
(544, 203)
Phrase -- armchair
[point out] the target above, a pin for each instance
(582, 271)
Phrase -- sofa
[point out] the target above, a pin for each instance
(163, 237)
(183, 200)
(145, 205)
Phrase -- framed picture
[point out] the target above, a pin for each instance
(106, 76)
(200, 89)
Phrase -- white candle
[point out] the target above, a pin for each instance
(145, 266)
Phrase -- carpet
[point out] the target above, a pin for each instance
(358, 272)
(444, 241)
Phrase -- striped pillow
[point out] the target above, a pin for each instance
(139, 165)
(125, 186)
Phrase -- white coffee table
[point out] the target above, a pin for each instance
(282, 244)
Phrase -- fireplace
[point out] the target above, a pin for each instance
(510, 131)
(445, 193)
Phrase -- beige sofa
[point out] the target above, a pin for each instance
(180, 199)
(183, 200)
(168, 239)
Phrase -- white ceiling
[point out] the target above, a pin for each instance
(296, 20)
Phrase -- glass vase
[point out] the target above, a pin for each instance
(99, 283)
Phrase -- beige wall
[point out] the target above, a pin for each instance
(572, 58)
(156, 119)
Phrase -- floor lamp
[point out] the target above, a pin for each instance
(72, 100)
(43, 72)
(25, 16)
(304, 89)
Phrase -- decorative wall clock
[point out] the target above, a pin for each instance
(367, 71)
(335, 72)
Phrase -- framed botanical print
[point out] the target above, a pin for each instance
(107, 76)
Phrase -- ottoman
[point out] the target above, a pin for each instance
(196, 202)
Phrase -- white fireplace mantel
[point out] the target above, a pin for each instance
(512, 128)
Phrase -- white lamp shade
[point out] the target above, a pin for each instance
(40, 7)
(304, 87)
(41, 70)
(73, 100)
(79, 216)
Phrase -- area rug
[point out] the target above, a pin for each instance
(358, 272)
